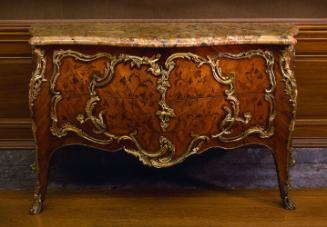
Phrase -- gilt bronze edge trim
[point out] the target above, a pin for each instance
(36, 81)
(290, 89)
(37, 77)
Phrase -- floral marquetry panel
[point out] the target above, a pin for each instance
(163, 99)
(109, 99)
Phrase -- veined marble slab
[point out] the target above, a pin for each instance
(131, 34)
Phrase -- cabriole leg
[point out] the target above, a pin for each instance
(281, 160)
(42, 169)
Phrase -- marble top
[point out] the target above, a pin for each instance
(162, 34)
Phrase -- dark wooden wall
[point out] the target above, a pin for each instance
(15, 72)
(311, 57)
(161, 9)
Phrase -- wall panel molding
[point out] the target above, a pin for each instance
(311, 75)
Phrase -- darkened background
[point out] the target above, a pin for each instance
(145, 9)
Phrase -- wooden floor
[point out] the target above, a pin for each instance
(165, 208)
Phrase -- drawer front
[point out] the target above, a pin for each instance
(165, 107)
